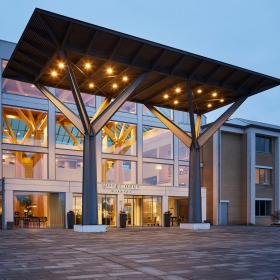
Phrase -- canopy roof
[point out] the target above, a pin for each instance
(38, 53)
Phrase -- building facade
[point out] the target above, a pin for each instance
(241, 173)
(142, 167)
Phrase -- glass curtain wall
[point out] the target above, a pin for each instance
(69, 168)
(157, 174)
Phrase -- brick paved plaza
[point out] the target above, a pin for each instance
(151, 253)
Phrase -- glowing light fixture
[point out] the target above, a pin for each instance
(178, 89)
(109, 70)
(125, 78)
(222, 100)
(199, 90)
(61, 65)
(91, 85)
(209, 105)
(114, 86)
(166, 96)
(87, 65)
(158, 167)
(32, 86)
(176, 102)
(214, 94)
(54, 73)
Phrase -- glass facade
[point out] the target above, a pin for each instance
(119, 138)
(184, 152)
(263, 176)
(164, 111)
(143, 210)
(157, 174)
(183, 176)
(263, 144)
(69, 168)
(24, 127)
(178, 206)
(67, 136)
(39, 209)
(157, 143)
(118, 171)
(18, 164)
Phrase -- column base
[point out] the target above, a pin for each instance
(195, 226)
(90, 228)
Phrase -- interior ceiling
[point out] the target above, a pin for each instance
(214, 84)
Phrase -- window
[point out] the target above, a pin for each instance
(17, 87)
(127, 107)
(24, 127)
(183, 176)
(67, 135)
(157, 143)
(184, 152)
(18, 164)
(118, 171)
(119, 138)
(69, 168)
(157, 174)
(263, 176)
(263, 144)
(263, 207)
(67, 96)
(164, 111)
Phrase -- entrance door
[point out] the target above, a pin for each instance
(128, 208)
(224, 213)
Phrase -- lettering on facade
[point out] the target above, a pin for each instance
(120, 188)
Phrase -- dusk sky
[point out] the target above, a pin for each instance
(243, 33)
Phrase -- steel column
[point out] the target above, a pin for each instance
(89, 205)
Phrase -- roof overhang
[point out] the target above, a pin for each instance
(47, 35)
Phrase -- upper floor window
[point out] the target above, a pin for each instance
(157, 143)
(119, 138)
(69, 168)
(164, 111)
(263, 144)
(67, 135)
(263, 176)
(184, 152)
(263, 207)
(24, 127)
(17, 87)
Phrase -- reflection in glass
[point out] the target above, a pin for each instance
(67, 97)
(32, 207)
(106, 209)
(183, 176)
(69, 168)
(157, 143)
(184, 152)
(67, 135)
(164, 111)
(24, 127)
(17, 164)
(17, 87)
(128, 107)
(157, 174)
(118, 171)
(119, 138)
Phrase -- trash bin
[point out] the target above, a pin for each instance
(167, 216)
(70, 219)
(123, 217)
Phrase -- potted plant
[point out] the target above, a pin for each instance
(123, 218)
(167, 216)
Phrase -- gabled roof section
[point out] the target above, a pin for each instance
(47, 34)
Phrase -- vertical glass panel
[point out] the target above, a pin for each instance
(17, 87)
(17, 164)
(119, 138)
(151, 211)
(157, 143)
(183, 176)
(118, 171)
(25, 127)
(157, 174)
(38, 209)
(67, 135)
(164, 111)
(67, 97)
(128, 107)
(184, 152)
(69, 168)
(178, 206)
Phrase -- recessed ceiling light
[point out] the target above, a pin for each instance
(209, 105)
(178, 89)
(91, 85)
(114, 86)
(87, 65)
(176, 102)
(199, 90)
(166, 96)
(109, 70)
(54, 73)
(61, 65)
(222, 100)
(125, 78)
(214, 94)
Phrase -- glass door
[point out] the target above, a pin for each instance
(128, 209)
